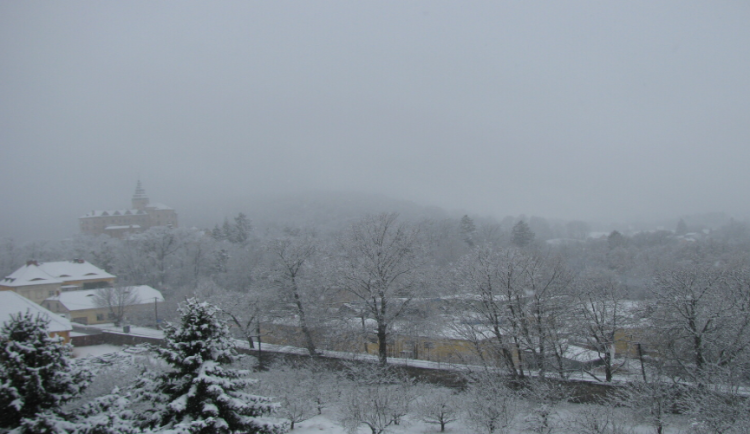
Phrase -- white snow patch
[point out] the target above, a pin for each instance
(95, 350)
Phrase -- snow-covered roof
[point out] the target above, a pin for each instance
(29, 274)
(116, 212)
(581, 354)
(77, 269)
(55, 272)
(112, 228)
(158, 206)
(85, 299)
(12, 303)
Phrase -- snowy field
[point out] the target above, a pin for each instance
(323, 424)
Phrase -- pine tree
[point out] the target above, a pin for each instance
(521, 234)
(615, 240)
(468, 228)
(35, 372)
(227, 231)
(202, 395)
(241, 229)
(217, 233)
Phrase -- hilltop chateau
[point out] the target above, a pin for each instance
(140, 217)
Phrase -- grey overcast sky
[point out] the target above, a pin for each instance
(568, 109)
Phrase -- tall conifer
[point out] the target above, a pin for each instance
(201, 394)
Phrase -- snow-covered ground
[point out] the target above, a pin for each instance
(327, 423)
(323, 424)
(95, 350)
(136, 331)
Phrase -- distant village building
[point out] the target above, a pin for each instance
(13, 304)
(38, 281)
(140, 217)
(82, 306)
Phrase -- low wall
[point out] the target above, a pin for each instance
(581, 391)
(88, 340)
(126, 339)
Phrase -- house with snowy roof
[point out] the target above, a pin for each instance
(141, 216)
(40, 280)
(12, 304)
(105, 305)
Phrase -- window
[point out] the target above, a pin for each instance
(110, 316)
(100, 317)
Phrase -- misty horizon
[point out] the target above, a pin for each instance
(575, 111)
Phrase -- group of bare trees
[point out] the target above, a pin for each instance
(702, 314)
(520, 301)
(526, 307)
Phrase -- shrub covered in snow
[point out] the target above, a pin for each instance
(437, 405)
(304, 391)
(490, 406)
(376, 398)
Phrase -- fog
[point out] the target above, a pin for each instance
(571, 110)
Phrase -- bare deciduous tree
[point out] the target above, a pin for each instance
(492, 304)
(489, 405)
(702, 315)
(117, 300)
(438, 406)
(295, 390)
(376, 398)
(292, 254)
(600, 312)
(379, 268)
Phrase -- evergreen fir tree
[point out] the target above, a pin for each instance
(227, 231)
(615, 240)
(241, 230)
(35, 372)
(201, 394)
(521, 234)
(468, 228)
(217, 233)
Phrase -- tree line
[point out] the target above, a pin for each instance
(522, 302)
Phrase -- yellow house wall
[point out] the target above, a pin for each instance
(89, 315)
(627, 340)
(422, 348)
(79, 283)
(35, 293)
(432, 349)
(65, 335)
(54, 306)
(625, 343)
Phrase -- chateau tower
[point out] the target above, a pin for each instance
(140, 200)
(120, 222)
